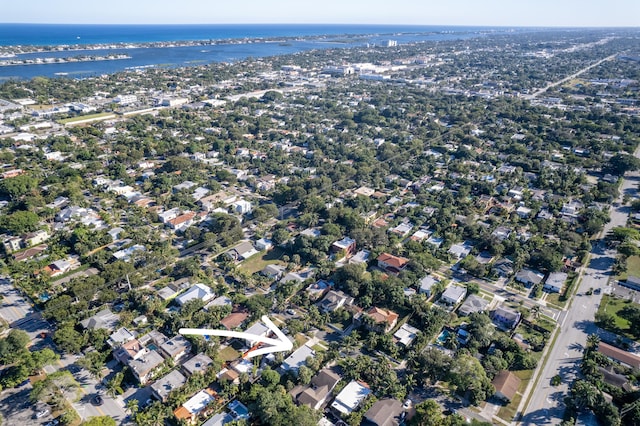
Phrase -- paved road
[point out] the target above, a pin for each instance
(572, 76)
(90, 388)
(14, 306)
(546, 406)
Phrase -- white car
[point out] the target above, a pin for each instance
(42, 413)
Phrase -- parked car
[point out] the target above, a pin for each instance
(40, 414)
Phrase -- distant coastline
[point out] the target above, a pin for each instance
(76, 34)
(40, 49)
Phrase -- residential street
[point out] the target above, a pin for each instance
(90, 388)
(546, 406)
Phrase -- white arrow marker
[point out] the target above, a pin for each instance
(281, 344)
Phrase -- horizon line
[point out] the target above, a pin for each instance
(324, 23)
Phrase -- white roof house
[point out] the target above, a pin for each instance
(197, 291)
(453, 295)
(555, 282)
(298, 358)
(426, 284)
(406, 334)
(350, 398)
(461, 250)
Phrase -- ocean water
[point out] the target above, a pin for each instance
(58, 34)
(244, 41)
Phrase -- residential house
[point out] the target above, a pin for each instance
(120, 337)
(425, 286)
(154, 337)
(146, 365)
(242, 251)
(360, 258)
(60, 267)
(165, 385)
(12, 244)
(242, 207)
(168, 215)
(103, 319)
(503, 267)
(197, 364)
(402, 229)
(345, 247)
(219, 419)
(529, 277)
(257, 329)
(297, 359)
(219, 301)
(311, 233)
(383, 319)
(473, 303)
(506, 384)
(392, 264)
(406, 334)
(385, 412)
(555, 282)
(196, 292)
(128, 351)
(273, 271)
(322, 384)
(35, 238)
(334, 300)
(506, 317)
(264, 244)
(190, 410)
(453, 295)
(318, 289)
(175, 348)
(234, 319)
(182, 222)
(350, 398)
(168, 292)
(484, 258)
(460, 251)
(501, 233)
(621, 356)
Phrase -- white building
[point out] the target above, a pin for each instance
(348, 400)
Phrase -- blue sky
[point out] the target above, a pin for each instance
(426, 12)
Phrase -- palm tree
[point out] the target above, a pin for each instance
(535, 312)
(132, 406)
(592, 341)
(451, 341)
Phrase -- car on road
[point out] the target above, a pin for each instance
(97, 400)
(407, 404)
(290, 312)
(597, 290)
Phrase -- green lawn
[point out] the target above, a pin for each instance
(633, 268)
(612, 305)
(258, 261)
(555, 299)
(229, 354)
(103, 115)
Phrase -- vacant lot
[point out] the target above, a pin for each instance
(258, 261)
(612, 306)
